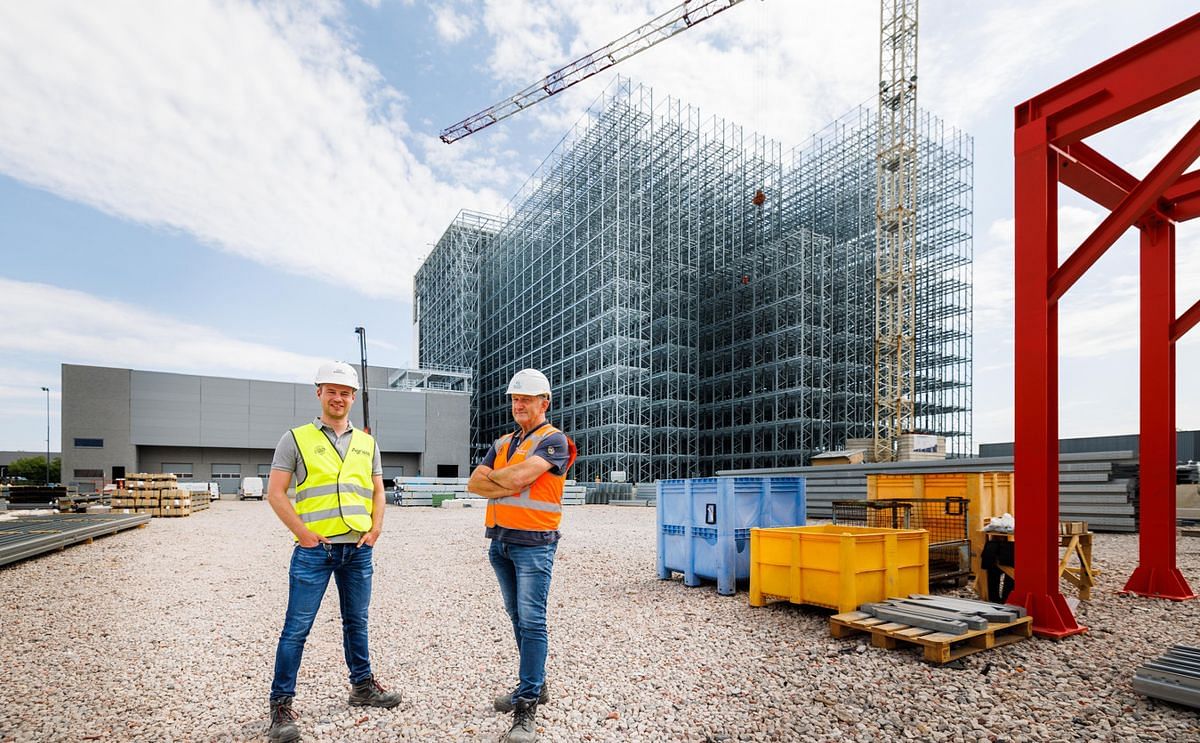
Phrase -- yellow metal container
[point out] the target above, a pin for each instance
(839, 567)
(990, 494)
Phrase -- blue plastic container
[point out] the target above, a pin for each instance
(704, 524)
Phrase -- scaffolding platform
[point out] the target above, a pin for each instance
(23, 537)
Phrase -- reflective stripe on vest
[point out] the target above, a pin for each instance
(539, 506)
(337, 495)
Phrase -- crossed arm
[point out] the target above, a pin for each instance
(491, 483)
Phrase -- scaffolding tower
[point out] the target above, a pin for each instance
(699, 299)
(446, 302)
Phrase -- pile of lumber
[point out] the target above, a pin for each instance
(952, 616)
(155, 494)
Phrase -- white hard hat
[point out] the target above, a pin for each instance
(529, 382)
(337, 372)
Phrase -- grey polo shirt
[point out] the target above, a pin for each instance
(287, 459)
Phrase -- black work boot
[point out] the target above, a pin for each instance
(283, 722)
(368, 693)
(524, 726)
(504, 703)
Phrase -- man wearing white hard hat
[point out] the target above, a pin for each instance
(335, 522)
(522, 476)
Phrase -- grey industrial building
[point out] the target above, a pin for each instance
(117, 421)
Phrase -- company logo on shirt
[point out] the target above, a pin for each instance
(363, 452)
(320, 449)
(550, 450)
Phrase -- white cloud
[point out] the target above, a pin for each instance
(45, 326)
(75, 327)
(782, 68)
(256, 128)
(452, 25)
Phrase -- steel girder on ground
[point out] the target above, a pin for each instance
(1049, 150)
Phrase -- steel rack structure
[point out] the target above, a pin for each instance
(700, 298)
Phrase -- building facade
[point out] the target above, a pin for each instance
(117, 421)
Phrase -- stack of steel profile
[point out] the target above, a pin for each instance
(425, 491)
(952, 616)
(1175, 677)
(27, 497)
(603, 492)
(1097, 487)
(22, 537)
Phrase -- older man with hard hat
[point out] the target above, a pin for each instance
(336, 520)
(522, 476)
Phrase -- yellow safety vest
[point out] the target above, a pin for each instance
(336, 496)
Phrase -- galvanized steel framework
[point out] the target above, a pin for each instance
(685, 328)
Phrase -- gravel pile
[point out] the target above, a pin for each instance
(168, 633)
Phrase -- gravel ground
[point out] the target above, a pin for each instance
(168, 633)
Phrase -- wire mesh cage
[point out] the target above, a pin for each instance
(944, 518)
(873, 514)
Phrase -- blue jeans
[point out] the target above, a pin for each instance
(524, 576)
(308, 577)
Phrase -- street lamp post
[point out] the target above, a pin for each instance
(47, 391)
(362, 347)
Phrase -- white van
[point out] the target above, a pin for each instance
(252, 487)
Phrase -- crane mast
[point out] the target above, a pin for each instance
(677, 19)
(895, 227)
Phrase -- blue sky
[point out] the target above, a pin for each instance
(229, 188)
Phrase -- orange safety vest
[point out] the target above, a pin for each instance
(539, 506)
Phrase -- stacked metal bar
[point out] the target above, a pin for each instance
(29, 536)
(1174, 677)
(1097, 487)
(950, 615)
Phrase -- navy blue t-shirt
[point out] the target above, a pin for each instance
(553, 449)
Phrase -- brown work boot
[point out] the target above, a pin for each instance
(369, 693)
(283, 722)
(524, 726)
(504, 702)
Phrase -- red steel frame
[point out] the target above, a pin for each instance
(1049, 150)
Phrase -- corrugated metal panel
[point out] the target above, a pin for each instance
(224, 412)
(164, 409)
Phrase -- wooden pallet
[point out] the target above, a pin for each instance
(939, 647)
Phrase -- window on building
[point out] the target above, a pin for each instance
(264, 471)
(447, 470)
(182, 470)
(89, 443)
(80, 474)
(226, 471)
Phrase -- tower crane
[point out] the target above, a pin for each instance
(895, 192)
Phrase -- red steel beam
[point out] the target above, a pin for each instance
(1035, 451)
(1184, 197)
(1186, 322)
(1094, 176)
(1157, 574)
(1131, 209)
(1139, 79)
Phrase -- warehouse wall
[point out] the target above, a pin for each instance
(182, 418)
(95, 405)
(447, 417)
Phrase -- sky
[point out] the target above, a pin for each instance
(229, 188)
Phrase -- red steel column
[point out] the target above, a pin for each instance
(1036, 395)
(1157, 574)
